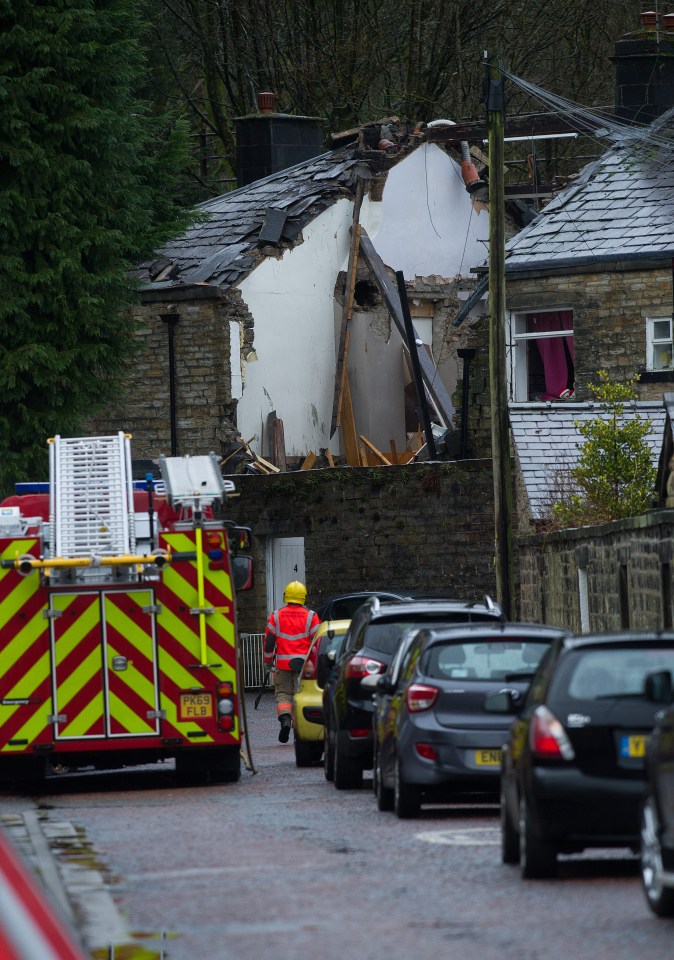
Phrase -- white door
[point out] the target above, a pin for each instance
(285, 562)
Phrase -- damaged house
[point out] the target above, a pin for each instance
(245, 321)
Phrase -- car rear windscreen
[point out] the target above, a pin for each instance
(483, 660)
(385, 636)
(608, 672)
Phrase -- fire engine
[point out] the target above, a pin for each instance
(118, 633)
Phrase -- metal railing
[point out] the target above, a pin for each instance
(254, 670)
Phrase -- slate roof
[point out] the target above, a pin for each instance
(547, 441)
(621, 207)
(224, 247)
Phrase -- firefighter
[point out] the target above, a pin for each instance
(289, 633)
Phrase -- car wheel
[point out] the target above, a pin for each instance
(348, 775)
(406, 800)
(328, 758)
(384, 795)
(304, 753)
(510, 842)
(660, 898)
(538, 858)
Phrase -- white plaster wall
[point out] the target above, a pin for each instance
(426, 225)
(292, 302)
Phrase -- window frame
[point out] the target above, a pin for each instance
(517, 365)
(652, 342)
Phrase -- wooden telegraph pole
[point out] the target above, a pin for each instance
(500, 435)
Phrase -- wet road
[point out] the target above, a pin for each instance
(282, 865)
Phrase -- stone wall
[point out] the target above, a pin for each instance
(626, 566)
(609, 320)
(203, 404)
(423, 528)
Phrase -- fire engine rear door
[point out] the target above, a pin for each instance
(131, 664)
(105, 670)
(78, 665)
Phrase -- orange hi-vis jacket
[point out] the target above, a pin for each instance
(289, 633)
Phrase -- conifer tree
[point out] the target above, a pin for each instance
(87, 180)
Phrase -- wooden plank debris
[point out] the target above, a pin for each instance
(308, 461)
(258, 463)
(348, 428)
(374, 450)
(277, 441)
(329, 457)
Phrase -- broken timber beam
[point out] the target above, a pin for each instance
(429, 374)
(308, 461)
(376, 452)
(347, 309)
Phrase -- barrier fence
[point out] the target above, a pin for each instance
(254, 671)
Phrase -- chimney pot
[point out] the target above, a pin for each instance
(266, 102)
(649, 19)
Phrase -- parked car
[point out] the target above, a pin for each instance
(657, 818)
(573, 766)
(308, 699)
(433, 738)
(344, 605)
(372, 639)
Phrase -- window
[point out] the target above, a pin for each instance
(542, 355)
(659, 344)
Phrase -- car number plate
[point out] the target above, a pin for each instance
(195, 706)
(633, 745)
(488, 758)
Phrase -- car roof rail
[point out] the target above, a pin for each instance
(375, 604)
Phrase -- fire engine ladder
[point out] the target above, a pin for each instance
(91, 511)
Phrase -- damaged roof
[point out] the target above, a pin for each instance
(620, 208)
(547, 442)
(225, 246)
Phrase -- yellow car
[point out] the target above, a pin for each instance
(308, 699)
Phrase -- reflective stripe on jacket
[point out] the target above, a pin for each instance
(289, 633)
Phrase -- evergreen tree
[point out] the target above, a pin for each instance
(614, 476)
(87, 180)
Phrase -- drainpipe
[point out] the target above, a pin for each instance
(171, 319)
(466, 355)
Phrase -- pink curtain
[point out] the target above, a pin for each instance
(552, 351)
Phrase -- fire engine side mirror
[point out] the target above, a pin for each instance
(240, 538)
(242, 572)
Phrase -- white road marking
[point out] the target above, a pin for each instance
(464, 837)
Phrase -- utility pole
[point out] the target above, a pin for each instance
(500, 429)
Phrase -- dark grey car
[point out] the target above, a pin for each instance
(434, 740)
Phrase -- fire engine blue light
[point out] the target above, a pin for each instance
(31, 487)
(215, 554)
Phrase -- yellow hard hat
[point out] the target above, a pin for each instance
(295, 592)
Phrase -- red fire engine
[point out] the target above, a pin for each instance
(118, 635)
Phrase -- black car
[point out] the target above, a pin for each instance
(434, 739)
(657, 819)
(373, 637)
(344, 605)
(573, 766)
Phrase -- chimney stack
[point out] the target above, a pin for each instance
(644, 65)
(267, 142)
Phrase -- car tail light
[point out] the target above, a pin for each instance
(359, 667)
(547, 736)
(226, 711)
(426, 751)
(359, 733)
(310, 664)
(420, 697)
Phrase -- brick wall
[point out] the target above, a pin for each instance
(421, 528)
(610, 311)
(549, 565)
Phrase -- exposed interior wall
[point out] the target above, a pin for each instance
(422, 528)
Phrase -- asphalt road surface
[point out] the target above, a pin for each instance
(283, 866)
